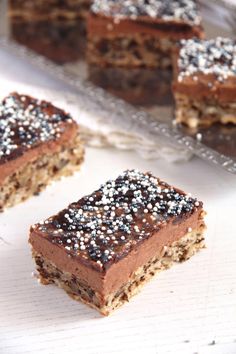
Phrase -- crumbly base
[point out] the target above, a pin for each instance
(194, 113)
(177, 252)
(31, 178)
(138, 50)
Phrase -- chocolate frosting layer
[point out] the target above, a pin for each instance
(207, 87)
(103, 26)
(106, 225)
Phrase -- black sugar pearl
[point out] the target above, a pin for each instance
(95, 253)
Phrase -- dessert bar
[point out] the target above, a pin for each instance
(139, 33)
(38, 143)
(205, 82)
(103, 248)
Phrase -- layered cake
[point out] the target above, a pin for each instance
(205, 82)
(104, 247)
(137, 33)
(39, 10)
(38, 143)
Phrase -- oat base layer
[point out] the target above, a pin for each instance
(132, 51)
(194, 113)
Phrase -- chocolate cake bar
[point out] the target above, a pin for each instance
(104, 247)
(41, 10)
(205, 82)
(140, 33)
(38, 143)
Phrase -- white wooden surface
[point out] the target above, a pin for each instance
(188, 309)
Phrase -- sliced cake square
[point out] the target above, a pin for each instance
(104, 247)
(38, 143)
(205, 82)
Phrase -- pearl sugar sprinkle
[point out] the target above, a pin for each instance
(177, 10)
(25, 122)
(210, 57)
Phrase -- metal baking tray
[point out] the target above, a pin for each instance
(137, 100)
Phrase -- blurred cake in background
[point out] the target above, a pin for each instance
(138, 33)
(204, 83)
(53, 28)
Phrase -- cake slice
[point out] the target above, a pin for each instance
(104, 247)
(205, 82)
(38, 143)
(134, 33)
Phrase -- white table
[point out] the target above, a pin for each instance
(190, 308)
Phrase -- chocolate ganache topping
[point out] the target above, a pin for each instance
(105, 225)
